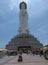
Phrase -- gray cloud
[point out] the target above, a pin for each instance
(38, 7)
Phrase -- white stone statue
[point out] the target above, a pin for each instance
(23, 18)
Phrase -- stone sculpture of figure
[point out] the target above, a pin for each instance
(23, 18)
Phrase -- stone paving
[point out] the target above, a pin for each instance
(27, 60)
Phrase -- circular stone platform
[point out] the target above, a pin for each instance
(23, 40)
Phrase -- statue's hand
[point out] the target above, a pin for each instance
(23, 13)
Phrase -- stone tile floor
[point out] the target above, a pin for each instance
(27, 60)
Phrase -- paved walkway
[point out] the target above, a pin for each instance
(27, 60)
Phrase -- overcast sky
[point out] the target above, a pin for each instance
(37, 21)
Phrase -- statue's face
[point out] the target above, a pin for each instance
(22, 6)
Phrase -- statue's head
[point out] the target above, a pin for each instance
(23, 5)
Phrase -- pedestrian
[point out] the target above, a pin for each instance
(41, 52)
(20, 58)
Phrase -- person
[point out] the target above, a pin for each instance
(20, 58)
(30, 52)
(41, 52)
